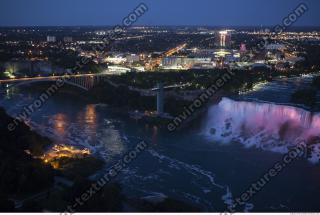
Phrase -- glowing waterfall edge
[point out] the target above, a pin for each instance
(267, 126)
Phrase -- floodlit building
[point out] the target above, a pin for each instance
(118, 70)
(117, 59)
(223, 38)
(227, 55)
(132, 58)
(185, 62)
(123, 58)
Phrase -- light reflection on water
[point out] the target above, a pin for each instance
(60, 123)
(91, 117)
(71, 123)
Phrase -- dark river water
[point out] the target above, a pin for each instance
(238, 142)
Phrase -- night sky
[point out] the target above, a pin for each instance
(161, 12)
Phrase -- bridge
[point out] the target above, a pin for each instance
(87, 81)
(83, 81)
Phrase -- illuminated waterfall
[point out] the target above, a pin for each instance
(262, 125)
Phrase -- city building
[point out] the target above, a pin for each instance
(51, 39)
(29, 67)
(67, 39)
(185, 62)
(227, 55)
(132, 58)
(116, 59)
(117, 70)
(223, 39)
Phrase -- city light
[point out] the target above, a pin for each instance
(59, 152)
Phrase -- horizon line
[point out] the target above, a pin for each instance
(161, 25)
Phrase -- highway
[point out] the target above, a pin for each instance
(156, 62)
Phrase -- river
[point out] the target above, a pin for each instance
(210, 165)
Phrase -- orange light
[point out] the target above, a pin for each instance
(61, 151)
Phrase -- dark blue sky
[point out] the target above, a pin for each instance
(161, 12)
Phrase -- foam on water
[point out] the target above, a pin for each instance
(267, 126)
(193, 169)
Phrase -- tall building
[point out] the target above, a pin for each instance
(223, 39)
(51, 39)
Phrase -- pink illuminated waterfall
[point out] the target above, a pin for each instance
(262, 125)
